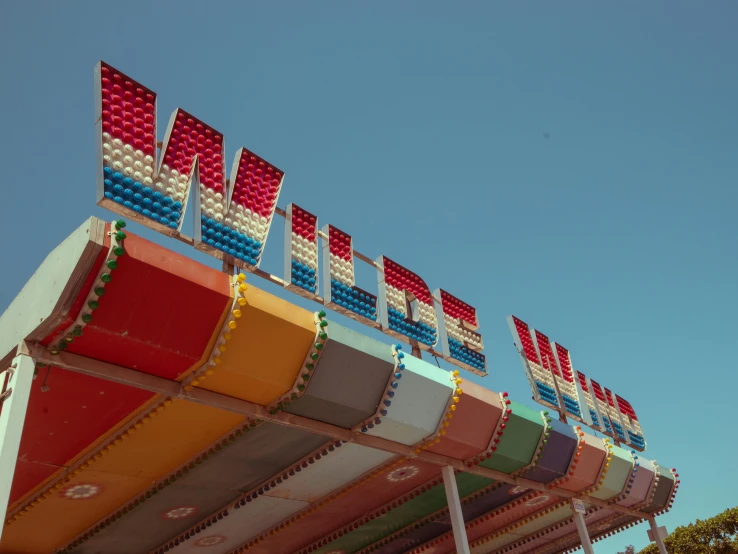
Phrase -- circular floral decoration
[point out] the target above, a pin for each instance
(537, 500)
(212, 540)
(337, 552)
(82, 491)
(520, 489)
(180, 513)
(403, 473)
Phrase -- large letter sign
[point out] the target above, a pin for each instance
(540, 376)
(301, 251)
(339, 283)
(589, 401)
(630, 422)
(548, 367)
(234, 226)
(564, 376)
(234, 222)
(457, 325)
(555, 384)
(233, 216)
(611, 414)
(406, 304)
(614, 414)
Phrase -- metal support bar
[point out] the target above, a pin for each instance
(583, 534)
(656, 536)
(174, 389)
(12, 417)
(454, 510)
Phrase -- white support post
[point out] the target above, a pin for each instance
(655, 536)
(454, 510)
(14, 404)
(578, 510)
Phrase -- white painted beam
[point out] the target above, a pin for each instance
(14, 397)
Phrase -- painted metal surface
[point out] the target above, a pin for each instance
(430, 500)
(141, 323)
(641, 484)
(164, 515)
(136, 472)
(554, 460)
(158, 312)
(524, 528)
(475, 418)
(524, 504)
(433, 525)
(518, 510)
(418, 404)
(635, 493)
(564, 527)
(621, 466)
(514, 451)
(232, 469)
(663, 489)
(336, 469)
(520, 440)
(67, 419)
(46, 299)
(226, 534)
(83, 500)
(154, 446)
(596, 528)
(370, 493)
(563, 535)
(555, 455)
(390, 484)
(15, 391)
(592, 457)
(543, 530)
(349, 380)
(266, 350)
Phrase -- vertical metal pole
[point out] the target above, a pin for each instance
(454, 510)
(583, 534)
(13, 415)
(656, 536)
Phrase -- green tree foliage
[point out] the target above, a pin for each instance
(717, 535)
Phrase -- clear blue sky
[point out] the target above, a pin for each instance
(571, 162)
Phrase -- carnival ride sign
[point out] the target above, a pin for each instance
(557, 385)
(151, 183)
